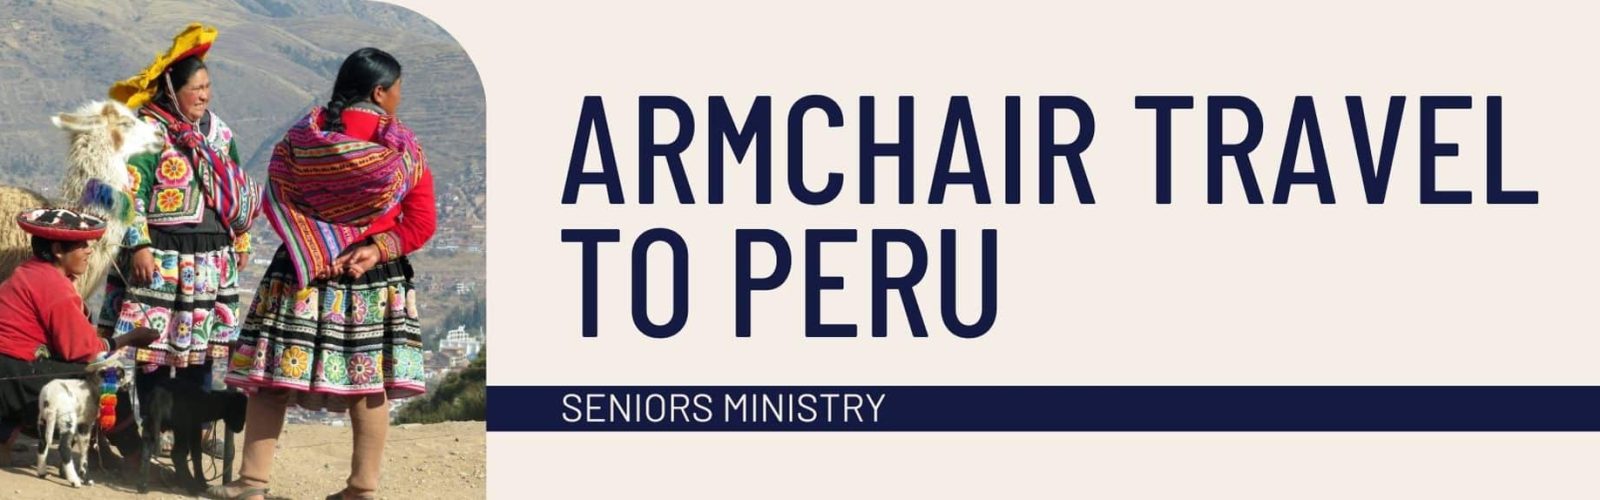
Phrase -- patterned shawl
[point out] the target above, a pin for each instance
(225, 185)
(325, 187)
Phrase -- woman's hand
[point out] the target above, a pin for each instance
(139, 337)
(357, 260)
(144, 267)
(240, 259)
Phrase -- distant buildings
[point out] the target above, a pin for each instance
(460, 341)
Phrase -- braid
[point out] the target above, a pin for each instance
(363, 71)
(335, 109)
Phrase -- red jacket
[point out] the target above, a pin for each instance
(39, 306)
(412, 222)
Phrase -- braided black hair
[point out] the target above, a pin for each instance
(363, 71)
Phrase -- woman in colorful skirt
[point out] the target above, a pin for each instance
(334, 324)
(193, 207)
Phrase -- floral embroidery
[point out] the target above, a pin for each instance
(205, 275)
(360, 310)
(134, 179)
(260, 363)
(186, 275)
(226, 316)
(362, 368)
(411, 364)
(206, 323)
(397, 301)
(294, 362)
(174, 171)
(169, 200)
(132, 237)
(157, 321)
(333, 366)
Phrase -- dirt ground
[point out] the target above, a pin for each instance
(444, 461)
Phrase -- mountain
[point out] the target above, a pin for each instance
(272, 61)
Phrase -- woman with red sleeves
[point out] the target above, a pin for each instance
(45, 333)
(334, 325)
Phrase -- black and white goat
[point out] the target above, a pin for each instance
(69, 411)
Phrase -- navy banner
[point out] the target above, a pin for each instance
(1044, 408)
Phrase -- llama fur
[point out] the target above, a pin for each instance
(102, 136)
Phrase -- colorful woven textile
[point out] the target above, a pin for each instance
(325, 187)
(333, 339)
(226, 187)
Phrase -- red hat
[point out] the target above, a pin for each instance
(61, 225)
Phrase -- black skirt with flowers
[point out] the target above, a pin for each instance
(332, 339)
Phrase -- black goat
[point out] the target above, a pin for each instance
(184, 408)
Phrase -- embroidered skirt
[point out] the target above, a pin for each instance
(332, 339)
(194, 303)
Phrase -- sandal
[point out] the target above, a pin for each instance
(340, 495)
(220, 492)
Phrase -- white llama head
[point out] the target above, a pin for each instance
(104, 134)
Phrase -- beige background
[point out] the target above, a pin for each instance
(1122, 292)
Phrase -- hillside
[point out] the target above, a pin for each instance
(272, 61)
(461, 396)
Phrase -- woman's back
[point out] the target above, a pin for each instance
(360, 123)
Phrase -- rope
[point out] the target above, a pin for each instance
(73, 373)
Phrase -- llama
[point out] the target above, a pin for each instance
(102, 135)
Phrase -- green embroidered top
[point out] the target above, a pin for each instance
(166, 188)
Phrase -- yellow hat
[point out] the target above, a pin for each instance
(194, 40)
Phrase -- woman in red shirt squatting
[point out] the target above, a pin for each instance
(334, 325)
(45, 333)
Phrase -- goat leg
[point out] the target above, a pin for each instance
(227, 457)
(152, 441)
(80, 451)
(180, 452)
(196, 446)
(47, 434)
(69, 469)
